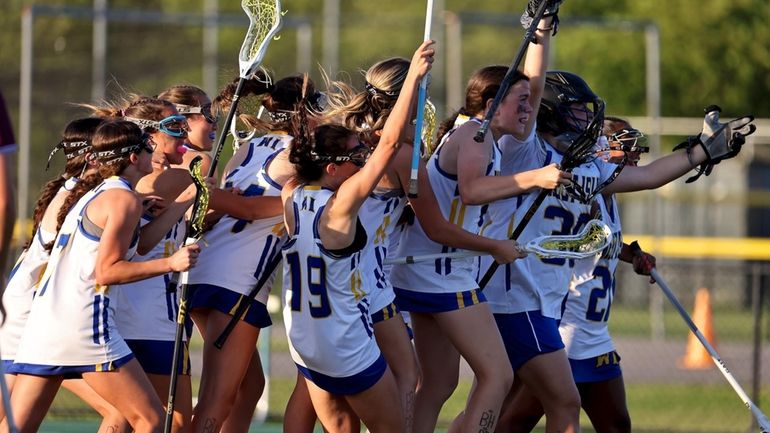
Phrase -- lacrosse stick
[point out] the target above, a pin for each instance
(265, 21)
(417, 143)
(580, 149)
(762, 421)
(506, 83)
(592, 240)
(194, 232)
(429, 129)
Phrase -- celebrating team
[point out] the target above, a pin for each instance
(322, 183)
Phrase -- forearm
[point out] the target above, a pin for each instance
(446, 233)
(124, 271)
(658, 172)
(244, 207)
(487, 189)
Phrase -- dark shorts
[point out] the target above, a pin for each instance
(597, 369)
(227, 301)
(156, 357)
(528, 334)
(347, 385)
(420, 302)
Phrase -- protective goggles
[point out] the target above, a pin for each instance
(629, 140)
(175, 126)
(204, 110)
(356, 156)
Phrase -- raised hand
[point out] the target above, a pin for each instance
(551, 10)
(724, 140)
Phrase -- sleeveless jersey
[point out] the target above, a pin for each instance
(583, 326)
(22, 283)
(532, 283)
(326, 308)
(441, 275)
(379, 214)
(239, 250)
(71, 323)
(145, 309)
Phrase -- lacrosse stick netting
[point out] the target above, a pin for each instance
(264, 23)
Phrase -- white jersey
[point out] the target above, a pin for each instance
(441, 275)
(71, 323)
(532, 283)
(237, 250)
(379, 214)
(22, 283)
(583, 326)
(326, 308)
(146, 310)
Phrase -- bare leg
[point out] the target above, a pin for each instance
(440, 366)
(549, 378)
(252, 386)
(129, 390)
(393, 340)
(521, 410)
(112, 420)
(32, 397)
(605, 404)
(473, 332)
(223, 369)
(299, 415)
(180, 423)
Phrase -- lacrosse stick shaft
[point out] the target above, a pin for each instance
(408, 260)
(422, 95)
(242, 306)
(6, 398)
(762, 420)
(516, 233)
(178, 342)
(226, 127)
(506, 83)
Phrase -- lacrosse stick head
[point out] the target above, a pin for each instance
(264, 23)
(592, 240)
(201, 204)
(429, 128)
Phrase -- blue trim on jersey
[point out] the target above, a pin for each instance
(156, 356)
(349, 385)
(68, 371)
(420, 302)
(316, 219)
(268, 253)
(527, 335)
(296, 219)
(226, 301)
(249, 155)
(438, 167)
(85, 233)
(7, 363)
(384, 314)
(596, 369)
(267, 177)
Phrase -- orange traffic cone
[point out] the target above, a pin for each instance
(696, 357)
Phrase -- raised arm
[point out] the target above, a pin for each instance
(353, 192)
(535, 67)
(716, 142)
